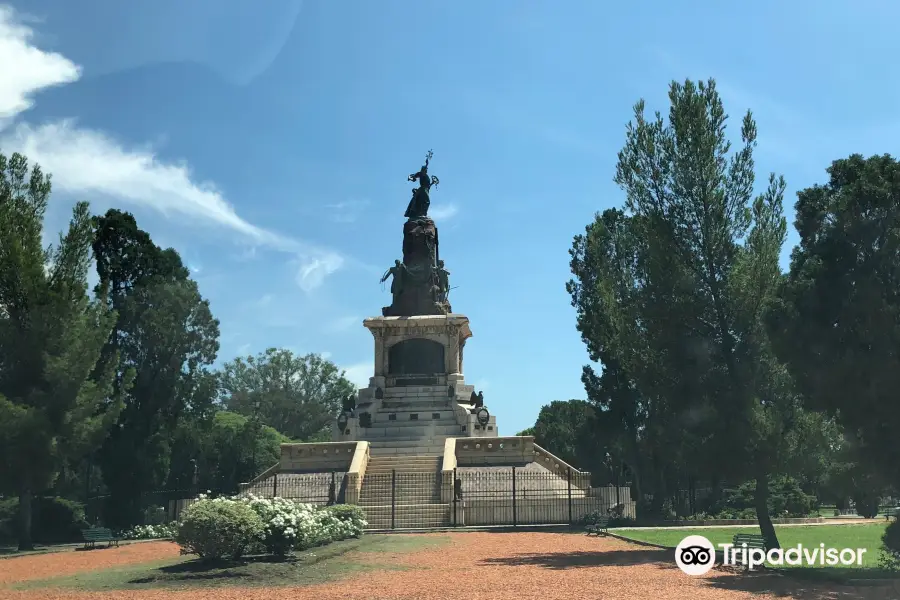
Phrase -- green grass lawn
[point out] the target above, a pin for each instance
(318, 565)
(866, 536)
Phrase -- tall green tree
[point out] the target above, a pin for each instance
(708, 266)
(166, 334)
(51, 334)
(837, 322)
(606, 291)
(229, 449)
(300, 396)
(567, 429)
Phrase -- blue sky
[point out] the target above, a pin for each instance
(269, 143)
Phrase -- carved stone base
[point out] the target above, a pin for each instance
(448, 332)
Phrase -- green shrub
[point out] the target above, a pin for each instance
(219, 528)
(866, 504)
(786, 499)
(155, 515)
(890, 546)
(8, 513)
(53, 520)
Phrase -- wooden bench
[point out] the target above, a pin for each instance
(891, 512)
(98, 534)
(752, 540)
(598, 527)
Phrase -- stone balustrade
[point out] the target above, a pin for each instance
(317, 457)
(448, 467)
(494, 451)
(580, 479)
(357, 472)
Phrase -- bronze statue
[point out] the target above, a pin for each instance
(443, 276)
(397, 272)
(349, 404)
(477, 402)
(473, 399)
(421, 199)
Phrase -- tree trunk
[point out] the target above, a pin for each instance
(762, 510)
(25, 496)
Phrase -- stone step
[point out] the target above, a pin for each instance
(403, 420)
(409, 516)
(415, 432)
(416, 404)
(387, 459)
(411, 442)
(401, 466)
(384, 483)
(407, 451)
(402, 391)
(405, 498)
(391, 460)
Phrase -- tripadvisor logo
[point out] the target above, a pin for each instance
(696, 555)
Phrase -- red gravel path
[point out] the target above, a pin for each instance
(497, 566)
(55, 564)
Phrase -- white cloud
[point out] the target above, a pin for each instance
(443, 211)
(26, 69)
(87, 162)
(359, 373)
(315, 268)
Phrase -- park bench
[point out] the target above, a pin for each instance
(891, 512)
(98, 534)
(598, 527)
(751, 539)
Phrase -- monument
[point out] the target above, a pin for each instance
(419, 342)
(418, 446)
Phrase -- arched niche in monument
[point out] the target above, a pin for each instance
(417, 356)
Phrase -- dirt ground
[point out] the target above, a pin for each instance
(474, 566)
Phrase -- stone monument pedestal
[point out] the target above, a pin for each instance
(417, 396)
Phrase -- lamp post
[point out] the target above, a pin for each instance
(195, 479)
(253, 441)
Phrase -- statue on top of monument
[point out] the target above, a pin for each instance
(397, 272)
(421, 200)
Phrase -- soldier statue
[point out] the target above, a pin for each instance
(443, 276)
(397, 272)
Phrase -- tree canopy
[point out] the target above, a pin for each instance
(300, 396)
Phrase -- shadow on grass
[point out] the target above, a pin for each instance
(601, 558)
(777, 583)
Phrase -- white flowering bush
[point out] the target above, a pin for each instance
(291, 525)
(151, 532)
(284, 525)
(218, 528)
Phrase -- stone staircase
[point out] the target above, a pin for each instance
(404, 491)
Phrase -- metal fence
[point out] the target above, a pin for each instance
(312, 488)
(481, 496)
(523, 496)
(469, 497)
